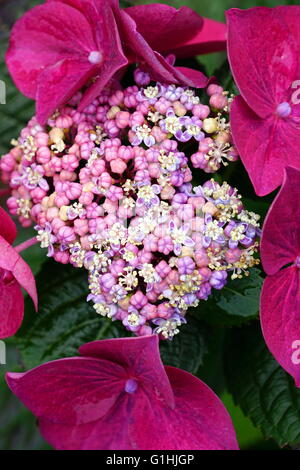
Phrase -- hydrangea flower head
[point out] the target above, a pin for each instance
(109, 189)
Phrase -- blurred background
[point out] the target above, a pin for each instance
(17, 426)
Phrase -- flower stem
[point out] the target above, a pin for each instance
(27, 244)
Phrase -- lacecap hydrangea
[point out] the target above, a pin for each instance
(109, 189)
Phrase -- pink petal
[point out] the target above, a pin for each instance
(164, 27)
(11, 261)
(85, 403)
(70, 391)
(11, 308)
(211, 38)
(199, 421)
(280, 244)
(266, 146)
(139, 50)
(58, 83)
(138, 355)
(44, 36)
(280, 318)
(8, 229)
(264, 65)
(115, 60)
(197, 78)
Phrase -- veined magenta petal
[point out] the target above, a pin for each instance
(196, 77)
(11, 261)
(199, 421)
(211, 38)
(109, 399)
(280, 318)
(70, 391)
(264, 65)
(23, 274)
(8, 255)
(115, 62)
(8, 229)
(266, 146)
(280, 243)
(11, 308)
(165, 27)
(134, 354)
(110, 433)
(140, 51)
(44, 36)
(210, 428)
(58, 83)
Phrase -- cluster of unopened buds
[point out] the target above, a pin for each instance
(109, 189)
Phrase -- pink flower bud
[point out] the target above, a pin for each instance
(63, 122)
(107, 281)
(165, 245)
(42, 139)
(74, 190)
(213, 88)
(201, 258)
(116, 267)
(57, 224)
(62, 257)
(55, 164)
(70, 162)
(66, 234)
(151, 242)
(136, 119)
(138, 300)
(122, 119)
(52, 213)
(218, 101)
(116, 99)
(86, 198)
(43, 155)
(186, 265)
(81, 227)
(61, 200)
(110, 128)
(201, 111)
(118, 166)
(126, 153)
(37, 194)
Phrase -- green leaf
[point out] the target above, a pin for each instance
(236, 303)
(188, 348)
(264, 391)
(65, 320)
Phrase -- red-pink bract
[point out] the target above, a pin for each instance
(117, 396)
(14, 274)
(263, 50)
(280, 254)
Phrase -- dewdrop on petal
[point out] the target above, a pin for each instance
(109, 190)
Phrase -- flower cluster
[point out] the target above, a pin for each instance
(109, 189)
